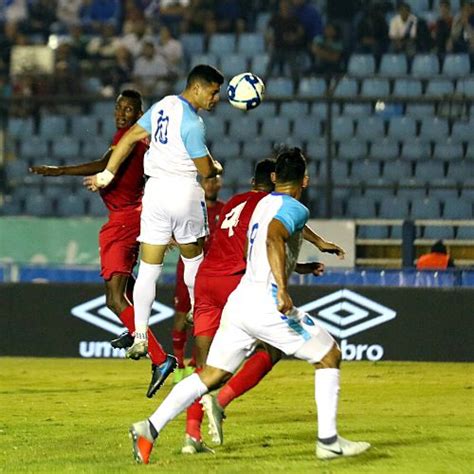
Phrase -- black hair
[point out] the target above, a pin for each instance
(439, 247)
(290, 166)
(204, 73)
(134, 95)
(262, 173)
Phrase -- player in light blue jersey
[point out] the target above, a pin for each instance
(261, 309)
(173, 203)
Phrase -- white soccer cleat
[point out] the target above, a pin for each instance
(340, 448)
(137, 350)
(193, 446)
(215, 415)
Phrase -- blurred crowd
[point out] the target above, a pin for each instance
(102, 45)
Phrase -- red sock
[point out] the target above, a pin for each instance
(194, 416)
(155, 351)
(179, 341)
(247, 377)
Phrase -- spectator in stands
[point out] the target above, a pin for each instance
(342, 14)
(199, 18)
(78, 42)
(104, 45)
(171, 49)
(442, 28)
(228, 16)
(403, 30)
(372, 31)
(286, 40)
(120, 74)
(135, 40)
(462, 31)
(96, 12)
(16, 11)
(328, 52)
(151, 72)
(8, 38)
(172, 14)
(67, 13)
(437, 259)
(42, 14)
(309, 16)
(66, 79)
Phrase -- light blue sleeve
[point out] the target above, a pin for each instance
(193, 134)
(292, 214)
(145, 120)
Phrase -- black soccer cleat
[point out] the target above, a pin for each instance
(159, 373)
(124, 341)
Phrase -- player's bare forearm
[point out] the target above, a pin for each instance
(315, 268)
(83, 169)
(323, 245)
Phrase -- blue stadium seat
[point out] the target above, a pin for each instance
(34, 146)
(361, 65)
(365, 170)
(204, 58)
(346, 87)
(52, 126)
(460, 170)
(375, 88)
(429, 170)
(465, 233)
(71, 205)
(84, 126)
(342, 128)
(108, 128)
(222, 44)
(401, 128)
(437, 232)
(383, 189)
(225, 149)
(240, 172)
(443, 194)
(317, 149)
(425, 66)
(225, 111)
(428, 208)
(462, 131)
(372, 232)
(353, 149)
(384, 149)
(279, 87)
(66, 148)
(357, 110)
(456, 65)
(294, 109)
(320, 109)
(311, 86)
(275, 128)
(11, 206)
(103, 109)
(361, 207)
(256, 149)
(393, 208)
(419, 111)
(233, 64)
(19, 127)
(94, 148)
(414, 150)
(465, 87)
(439, 87)
(370, 128)
(470, 151)
(340, 171)
(259, 64)
(411, 193)
(215, 127)
(38, 205)
(264, 110)
(15, 171)
(396, 170)
(251, 44)
(448, 150)
(434, 129)
(457, 209)
(57, 189)
(242, 128)
(193, 43)
(306, 129)
(407, 87)
(96, 207)
(393, 65)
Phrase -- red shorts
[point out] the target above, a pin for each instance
(211, 293)
(118, 246)
(182, 303)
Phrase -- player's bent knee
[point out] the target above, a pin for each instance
(332, 360)
(213, 378)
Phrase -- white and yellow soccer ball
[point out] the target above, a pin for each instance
(245, 91)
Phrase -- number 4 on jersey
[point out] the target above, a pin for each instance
(232, 218)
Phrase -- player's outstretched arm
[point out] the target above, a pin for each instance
(315, 268)
(323, 245)
(208, 167)
(277, 236)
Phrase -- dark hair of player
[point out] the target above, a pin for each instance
(134, 95)
(204, 73)
(290, 166)
(263, 171)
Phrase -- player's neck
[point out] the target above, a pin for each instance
(187, 97)
(290, 189)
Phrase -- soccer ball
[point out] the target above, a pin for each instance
(245, 91)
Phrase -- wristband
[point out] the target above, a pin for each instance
(104, 178)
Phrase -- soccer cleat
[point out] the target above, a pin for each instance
(215, 415)
(142, 441)
(124, 341)
(193, 446)
(137, 350)
(340, 448)
(178, 375)
(159, 373)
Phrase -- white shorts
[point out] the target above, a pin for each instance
(173, 207)
(250, 315)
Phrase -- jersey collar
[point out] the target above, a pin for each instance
(187, 102)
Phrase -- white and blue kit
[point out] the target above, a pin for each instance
(173, 202)
(251, 312)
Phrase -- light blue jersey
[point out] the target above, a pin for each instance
(293, 215)
(177, 137)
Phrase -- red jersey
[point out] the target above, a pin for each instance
(226, 252)
(212, 220)
(126, 190)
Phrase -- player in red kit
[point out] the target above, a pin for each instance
(182, 303)
(118, 237)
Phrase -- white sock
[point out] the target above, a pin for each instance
(144, 294)
(191, 266)
(327, 396)
(183, 394)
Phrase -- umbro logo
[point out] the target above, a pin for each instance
(345, 313)
(96, 313)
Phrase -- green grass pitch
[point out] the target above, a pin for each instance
(72, 416)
